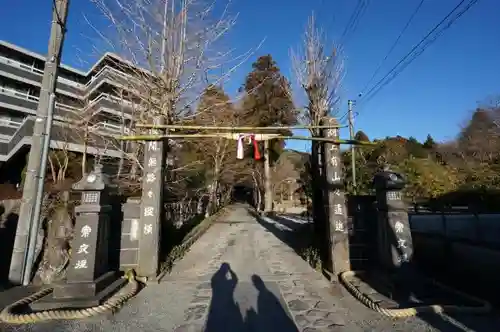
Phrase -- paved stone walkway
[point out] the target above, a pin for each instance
(240, 277)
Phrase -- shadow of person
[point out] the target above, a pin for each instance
(271, 316)
(224, 313)
(251, 321)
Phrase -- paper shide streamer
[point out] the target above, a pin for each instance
(240, 149)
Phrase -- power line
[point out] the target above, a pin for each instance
(353, 15)
(383, 82)
(352, 24)
(417, 9)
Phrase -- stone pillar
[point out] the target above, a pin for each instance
(395, 248)
(335, 204)
(152, 211)
(88, 278)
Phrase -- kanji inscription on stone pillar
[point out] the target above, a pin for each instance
(151, 206)
(399, 228)
(394, 235)
(336, 205)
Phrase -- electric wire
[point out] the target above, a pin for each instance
(396, 71)
(393, 46)
(354, 20)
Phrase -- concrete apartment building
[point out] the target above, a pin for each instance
(78, 94)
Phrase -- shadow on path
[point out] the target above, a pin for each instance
(286, 231)
(224, 313)
(227, 313)
(270, 316)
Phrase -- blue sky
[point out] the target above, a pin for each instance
(435, 94)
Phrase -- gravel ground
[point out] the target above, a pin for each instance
(240, 277)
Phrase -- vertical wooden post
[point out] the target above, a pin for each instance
(268, 202)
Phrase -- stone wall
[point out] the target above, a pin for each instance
(463, 248)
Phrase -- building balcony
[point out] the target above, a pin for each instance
(28, 74)
(108, 103)
(63, 136)
(31, 75)
(9, 127)
(23, 102)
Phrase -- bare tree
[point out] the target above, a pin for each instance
(169, 50)
(319, 71)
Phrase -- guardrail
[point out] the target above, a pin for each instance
(18, 94)
(110, 127)
(102, 72)
(27, 96)
(10, 123)
(20, 65)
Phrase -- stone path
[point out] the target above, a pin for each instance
(240, 277)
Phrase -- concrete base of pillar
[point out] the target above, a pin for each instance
(80, 295)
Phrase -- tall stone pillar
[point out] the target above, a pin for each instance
(89, 279)
(152, 210)
(395, 247)
(335, 207)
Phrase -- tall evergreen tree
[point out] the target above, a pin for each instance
(430, 143)
(361, 136)
(268, 100)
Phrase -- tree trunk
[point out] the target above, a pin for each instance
(56, 255)
(227, 197)
(212, 197)
(135, 166)
(199, 205)
(257, 193)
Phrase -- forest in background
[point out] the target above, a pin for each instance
(459, 172)
(464, 171)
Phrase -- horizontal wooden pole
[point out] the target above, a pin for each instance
(152, 126)
(230, 136)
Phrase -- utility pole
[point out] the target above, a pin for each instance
(350, 103)
(29, 215)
